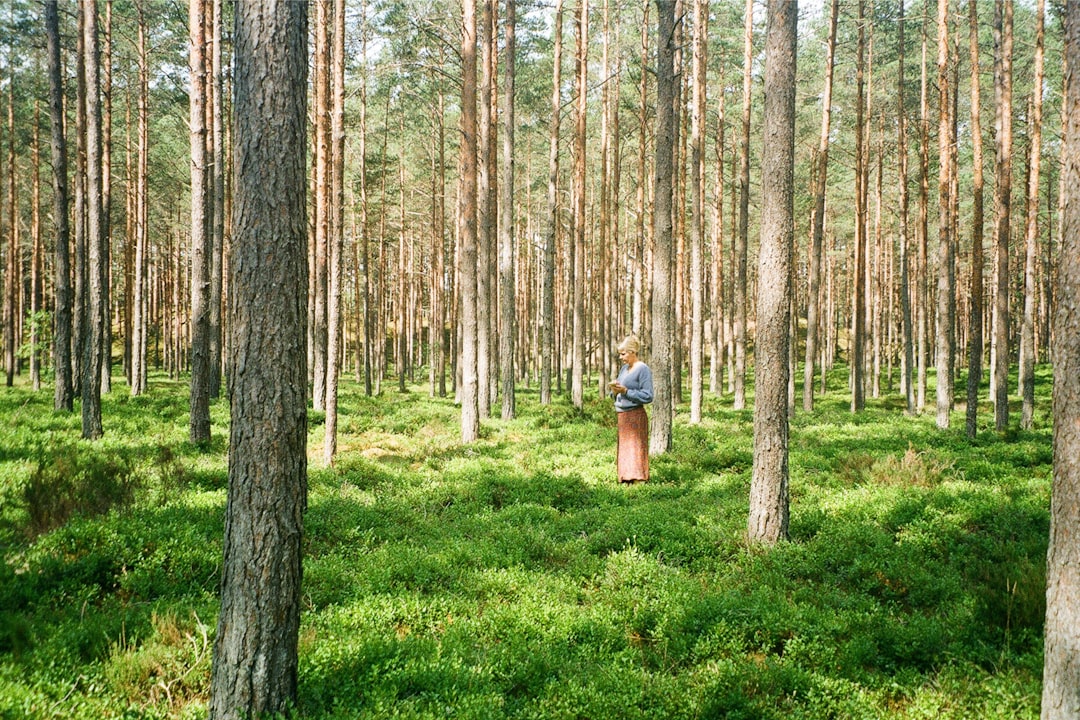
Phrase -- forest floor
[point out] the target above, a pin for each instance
(514, 578)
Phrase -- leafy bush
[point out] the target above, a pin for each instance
(68, 482)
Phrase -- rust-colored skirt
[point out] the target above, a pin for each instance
(632, 456)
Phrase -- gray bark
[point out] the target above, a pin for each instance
(64, 394)
(201, 242)
(768, 521)
(255, 652)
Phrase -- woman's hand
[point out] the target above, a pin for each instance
(617, 388)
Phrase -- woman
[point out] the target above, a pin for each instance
(633, 389)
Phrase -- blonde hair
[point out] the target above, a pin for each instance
(630, 344)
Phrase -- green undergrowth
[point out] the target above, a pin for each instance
(514, 578)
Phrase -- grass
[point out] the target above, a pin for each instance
(513, 578)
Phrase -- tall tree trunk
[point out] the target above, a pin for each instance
(106, 192)
(975, 320)
(467, 231)
(718, 308)
(946, 299)
(36, 258)
(922, 230)
(201, 249)
(768, 521)
(336, 243)
(821, 165)
(217, 227)
(697, 230)
(858, 297)
(1003, 43)
(14, 261)
(255, 651)
(577, 386)
(1028, 352)
(547, 292)
(907, 378)
(487, 208)
(662, 281)
(1061, 664)
(506, 228)
(97, 261)
(321, 201)
(63, 392)
(140, 301)
(740, 258)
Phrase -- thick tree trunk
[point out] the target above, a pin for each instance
(768, 521)
(255, 652)
(907, 340)
(1028, 352)
(1061, 665)
(975, 319)
(63, 393)
(1003, 43)
(662, 281)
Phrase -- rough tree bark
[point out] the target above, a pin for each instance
(1061, 665)
(662, 281)
(740, 238)
(97, 262)
(63, 393)
(255, 652)
(1003, 45)
(201, 249)
(821, 166)
(946, 300)
(1031, 238)
(975, 315)
(547, 292)
(467, 231)
(697, 231)
(768, 521)
(506, 226)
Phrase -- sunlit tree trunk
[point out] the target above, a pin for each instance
(254, 667)
(1003, 45)
(547, 292)
(336, 241)
(716, 265)
(467, 231)
(922, 230)
(946, 300)
(201, 249)
(577, 386)
(768, 521)
(660, 349)
(487, 207)
(217, 188)
(1028, 352)
(743, 228)
(697, 229)
(320, 202)
(36, 258)
(506, 227)
(821, 165)
(1061, 664)
(858, 297)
